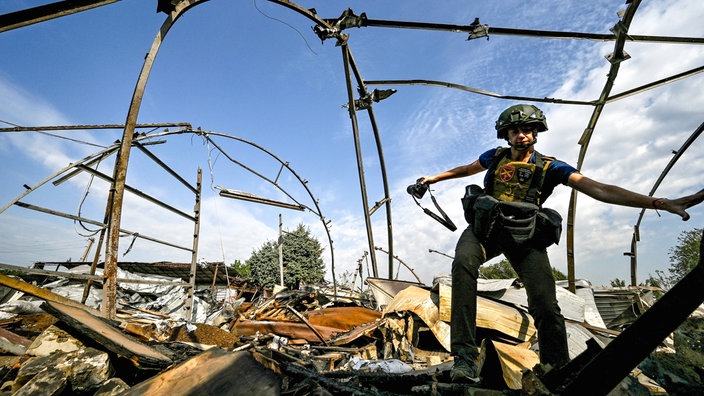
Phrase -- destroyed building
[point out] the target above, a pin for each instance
(307, 342)
(104, 326)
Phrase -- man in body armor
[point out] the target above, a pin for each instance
(507, 217)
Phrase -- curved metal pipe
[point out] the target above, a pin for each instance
(317, 210)
(382, 164)
(621, 36)
(444, 84)
(402, 263)
(636, 227)
(360, 163)
(108, 151)
(117, 190)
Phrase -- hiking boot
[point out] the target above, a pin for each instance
(465, 370)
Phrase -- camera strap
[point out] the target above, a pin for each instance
(444, 220)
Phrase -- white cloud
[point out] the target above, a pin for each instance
(430, 129)
(630, 147)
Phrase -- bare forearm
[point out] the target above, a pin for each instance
(460, 171)
(620, 196)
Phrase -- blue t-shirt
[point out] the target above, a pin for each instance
(558, 172)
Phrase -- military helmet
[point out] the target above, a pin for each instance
(520, 114)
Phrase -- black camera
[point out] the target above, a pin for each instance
(418, 189)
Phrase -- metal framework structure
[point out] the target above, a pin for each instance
(140, 142)
(333, 29)
(108, 223)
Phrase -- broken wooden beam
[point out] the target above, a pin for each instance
(213, 372)
(44, 294)
(110, 337)
(602, 373)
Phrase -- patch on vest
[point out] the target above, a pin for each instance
(506, 172)
(524, 174)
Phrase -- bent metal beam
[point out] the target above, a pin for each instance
(117, 190)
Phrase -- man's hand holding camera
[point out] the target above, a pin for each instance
(419, 188)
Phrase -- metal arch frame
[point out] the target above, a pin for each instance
(117, 191)
(206, 135)
(284, 164)
(620, 37)
(139, 142)
(633, 254)
(616, 57)
(83, 166)
(326, 29)
(403, 263)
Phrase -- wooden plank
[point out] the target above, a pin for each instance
(44, 294)
(513, 361)
(213, 372)
(445, 293)
(110, 337)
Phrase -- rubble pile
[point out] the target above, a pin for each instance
(303, 342)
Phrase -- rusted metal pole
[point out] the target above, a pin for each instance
(94, 263)
(636, 229)
(18, 128)
(382, 165)
(615, 58)
(633, 254)
(120, 172)
(85, 253)
(29, 16)
(358, 150)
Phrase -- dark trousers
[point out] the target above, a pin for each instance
(533, 268)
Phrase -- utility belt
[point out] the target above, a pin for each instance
(512, 224)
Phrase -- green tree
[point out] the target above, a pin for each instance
(618, 282)
(500, 270)
(504, 270)
(683, 257)
(558, 275)
(655, 282)
(301, 257)
(241, 269)
(346, 280)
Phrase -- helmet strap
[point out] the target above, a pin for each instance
(524, 146)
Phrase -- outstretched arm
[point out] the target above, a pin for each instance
(620, 196)
(460, 171)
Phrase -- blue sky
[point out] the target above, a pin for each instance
(256, 71)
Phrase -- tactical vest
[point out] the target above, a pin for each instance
(515, 181)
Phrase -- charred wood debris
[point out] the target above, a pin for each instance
(392, 339)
